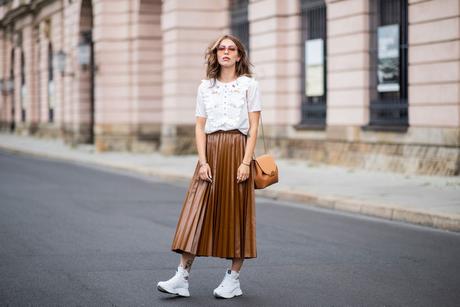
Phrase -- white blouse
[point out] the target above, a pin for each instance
(224, 104)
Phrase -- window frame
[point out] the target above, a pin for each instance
(313, 108)
(389, 111)
(239, 21)
(50, 80)
(23, 84)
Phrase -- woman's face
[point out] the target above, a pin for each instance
(227, 53)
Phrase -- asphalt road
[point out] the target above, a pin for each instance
(72, 235)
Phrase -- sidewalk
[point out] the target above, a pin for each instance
(425, 200)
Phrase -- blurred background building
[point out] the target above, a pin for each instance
(362, 83)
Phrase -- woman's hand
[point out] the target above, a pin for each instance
(205, 172)
(242, 173)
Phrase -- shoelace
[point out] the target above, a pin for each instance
(180, 275)
(227, 280)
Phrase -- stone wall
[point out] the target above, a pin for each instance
(149, 60)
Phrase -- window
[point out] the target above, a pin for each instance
(11, 90)
(314, 64)
(388, 105)
(23, 87)
(50, 84)
(38, 70)
(239, 23)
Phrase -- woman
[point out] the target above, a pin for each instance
(218, 214)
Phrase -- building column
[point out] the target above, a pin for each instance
(348, 72)
(48, 85)
(434, 83)
(83, 86)
(23, 60)
(127, 51)
(188, 28)
(16, 95)
(434, 67)
(274, 28)
(3, 121)
(8, 95)
(147, 81)
(29, 98)
(42, 79)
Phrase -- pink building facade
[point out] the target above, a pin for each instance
(362, 83)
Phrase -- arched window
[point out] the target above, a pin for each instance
(37, 71)
(314, 63)
(23, 86)
(239, 23)
(388, 106)
(50, 84)
(11, 90)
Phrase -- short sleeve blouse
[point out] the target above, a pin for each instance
(226, 105)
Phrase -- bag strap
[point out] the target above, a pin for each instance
(261, 123)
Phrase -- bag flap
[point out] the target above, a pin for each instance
(267, 164)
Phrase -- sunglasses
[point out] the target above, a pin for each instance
(229, 48)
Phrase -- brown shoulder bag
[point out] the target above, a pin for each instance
(266, 171)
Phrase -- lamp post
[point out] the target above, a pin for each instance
(60, 61)
(10, 91)
(86, 61)
(84, 50)
(10, 85)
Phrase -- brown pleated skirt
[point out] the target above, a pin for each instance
(218, 218)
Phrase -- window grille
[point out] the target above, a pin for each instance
(314, 63)
(239, 23)
(50, 84)
(23, 87)
(388, 105)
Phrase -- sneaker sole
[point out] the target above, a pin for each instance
(223, 297)
(159, 288)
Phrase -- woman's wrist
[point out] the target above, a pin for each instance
(202, 163)
(246, 163)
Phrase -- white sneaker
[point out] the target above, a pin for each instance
(230, 286)
(177, 285)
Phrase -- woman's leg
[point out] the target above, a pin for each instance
(230, 285)
(186, 261)
(178, 284)
(237, 263)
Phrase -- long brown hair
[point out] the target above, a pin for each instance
(242, 67)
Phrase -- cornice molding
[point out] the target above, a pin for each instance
(18, 12)
(33, 8)
(37, 5)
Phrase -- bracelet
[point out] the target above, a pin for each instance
(247, 164)
(202, 163)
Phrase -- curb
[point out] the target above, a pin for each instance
(385, 211)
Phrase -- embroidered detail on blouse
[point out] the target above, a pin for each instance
(224, 104)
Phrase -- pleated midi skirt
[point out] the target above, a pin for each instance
(218, 218)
